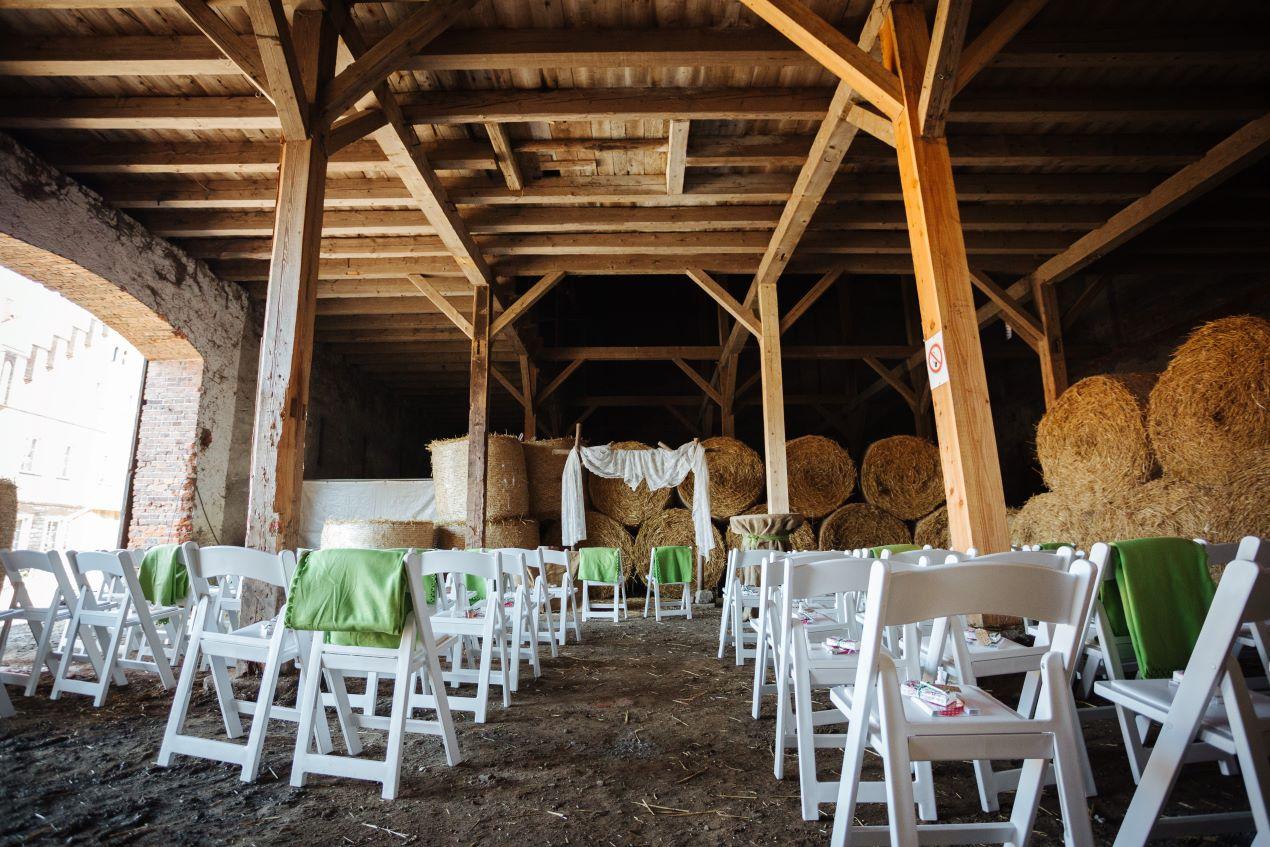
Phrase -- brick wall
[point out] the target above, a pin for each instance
(163, 503)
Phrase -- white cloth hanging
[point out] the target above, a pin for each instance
(660, 468)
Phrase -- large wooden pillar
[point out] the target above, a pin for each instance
(963, 415)
(478, 416)
(529, 388)
(773, 399)
(727, 393)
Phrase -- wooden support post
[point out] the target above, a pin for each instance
(528, 388)
(727, 393)
(916, 377)
(478, 417)
(963, 414)
(773, 400)
(1053, 360)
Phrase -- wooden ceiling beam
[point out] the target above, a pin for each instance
(240, 51)
(525, 302)
(676, 156)
(938, 83)
(505, 156)
(742, 314)
(840, 55)
(809, 299)
(282, 68)
(451, 310)
(979, 52)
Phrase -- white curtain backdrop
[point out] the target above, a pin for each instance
(660, 468)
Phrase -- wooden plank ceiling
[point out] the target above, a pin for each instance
(604, 138)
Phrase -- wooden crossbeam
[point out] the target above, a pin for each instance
(535, 293)
(676, 157)
(282, 70)
(700, 381)
(241, 52)
(353, 128)
(939, 81)
(893, 380)
(388, 54)
(978, 53)
(824, 43)
(505, 156)
(428, 289)
(618, 354)
(743, 315)
(1053, 357)
(808, 300)
(507, 384)
(1027, 326)
(551, 387)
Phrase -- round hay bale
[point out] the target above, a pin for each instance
(544, 467)
(378, 534)
(1209, 413)
(1162, 507)
(512, 532)
(602, 531)
(933, 530)
(506, 482)
(1052, 517)
(736, 477)
(821, 475)
(671, 528)
(902, 474)
(8, 513)
(1239, 508)
(451, 536)
(616, 499)
(1093, 439)
(803, 538)
(862, 525)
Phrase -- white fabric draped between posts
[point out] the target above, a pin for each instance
(660, 468)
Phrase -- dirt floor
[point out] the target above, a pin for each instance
(636, 736)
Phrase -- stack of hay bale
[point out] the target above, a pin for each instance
(1204, 426)
(378, 534)
(901, 480)
(507, 502)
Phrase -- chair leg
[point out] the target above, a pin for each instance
(44, 656)
(725, 618)
(400, 713)
(806, 742)
(343, 710)
(688, 600)
(109, 658)
(63, 667)
(225, 696)
(760, 668)
(309, 704)
(738, 629)
(896, 764)
(483, 679)
(577, 624)
(264, 703)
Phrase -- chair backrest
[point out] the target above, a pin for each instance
(1249, 549)
(16, 561)
(484, 565)
(560, 558)
(515, 563)
(96, 561)
(1060, 559)
(750, 558)
(928, 556)
(830, 574)
(205, 563)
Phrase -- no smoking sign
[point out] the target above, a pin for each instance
(936, 360)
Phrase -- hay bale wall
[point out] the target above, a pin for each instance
(902, 474)
(512, 532)
(674, 527)
(378, 534)
(1209, 414)
(803, 538)
(862, 525)
(821, 475)
(451, 536)
(602, 531)
(8, 513)
(1094, 438)
(506, 483)
(933, 530)
(736, 477)
(1053, 517)
(544, 467)
(616, 499)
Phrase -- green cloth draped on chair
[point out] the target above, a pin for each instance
(673, 564)
(163, 577)
(599, 564)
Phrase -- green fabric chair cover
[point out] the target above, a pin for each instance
(164, 579)
(1159, 598)
(1056, 545)
(673, 564)
(599, 564)
(358, 597)
(876, 552)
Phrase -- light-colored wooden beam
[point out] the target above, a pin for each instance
(947, 35)
(388, 54)
(526, 301)
(700, 381)
(823, 42)
(241, 52)
(429, 289)
(893, 380)
(505, 154)
(676, 157)
(878, 126)
(1027, 326)
(1053, 357)
(478, 417)
(963, 416)
(769, 350)
(354, 127)
(743, 315)
(550, 388)
(808, 300)
(978, 53)
(282, 69)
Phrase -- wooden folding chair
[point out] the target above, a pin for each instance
(883, 718)
(1212, 705)
(413, 662)
(121, 617)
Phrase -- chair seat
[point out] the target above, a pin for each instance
(1152, 698)
(827, 668)
(993, 717)
(34, 614)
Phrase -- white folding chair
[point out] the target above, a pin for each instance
(592, 610)
(267, 642)
(563, 593)
(684, 609)
(1213, 705)
(883, 718)
(42, 620)
(123, 616)
(480, 629)
(413, 662)
(812, 668)
(517, 588)
(739, 597)
(544, 625)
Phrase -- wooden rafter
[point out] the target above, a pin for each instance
(505, 156)
(951, 17)
(1027, 326)
(282, 70)
(743, 315)
(700, 381)
(800, 308)
(676, 157)
(508, 385)
(444, 306)
(241, 52)
(978, 53)
(522, 305)
(550, 388)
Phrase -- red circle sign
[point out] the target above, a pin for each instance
(935, 358)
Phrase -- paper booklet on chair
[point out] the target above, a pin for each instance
(941, 701)
(840, 646)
